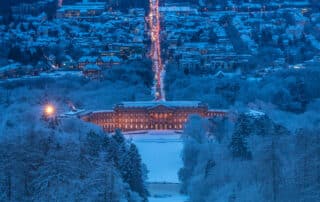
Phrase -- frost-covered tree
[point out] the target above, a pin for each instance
(219, 128)
(19, 159)
(57, 174)
(104, 183)
(307, 165)
(268, 172)
(282, 167)
(194, 137)
(67, 163)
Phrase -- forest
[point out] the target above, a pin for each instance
(250, 159)
(68, 161)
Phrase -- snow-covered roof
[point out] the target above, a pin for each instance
(89, 67)
(104, 111)
(88, 59)
(110, 59)
(126, 44)
(74, 113)
(177, 9)
(83, 6)
(255, 113)
(10, 67)
(163, 103)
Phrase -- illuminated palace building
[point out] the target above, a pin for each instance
(150, 115)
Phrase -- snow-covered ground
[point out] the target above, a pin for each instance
(161, 192)
(160, 151)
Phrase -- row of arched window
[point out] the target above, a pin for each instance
(124, 127)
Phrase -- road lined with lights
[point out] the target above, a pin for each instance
(155, 53)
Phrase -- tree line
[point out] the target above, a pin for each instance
(251, 158)
(69, 162)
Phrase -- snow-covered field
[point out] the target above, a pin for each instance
(165, 193)
(160, 151)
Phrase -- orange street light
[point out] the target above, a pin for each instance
(49, 110)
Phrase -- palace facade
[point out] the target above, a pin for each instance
(150, 115)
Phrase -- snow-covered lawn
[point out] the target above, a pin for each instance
(165, 193)
(160, 151)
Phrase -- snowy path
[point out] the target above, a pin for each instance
(160, 151)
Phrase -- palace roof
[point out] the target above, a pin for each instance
(163, 103)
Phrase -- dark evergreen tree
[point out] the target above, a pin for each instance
(262, 125)
(117, 149)
(93, 143)
(280, 130)
(118, 137)
(238, 145)
(133, 171)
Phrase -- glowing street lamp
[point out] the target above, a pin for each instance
(49, 110)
